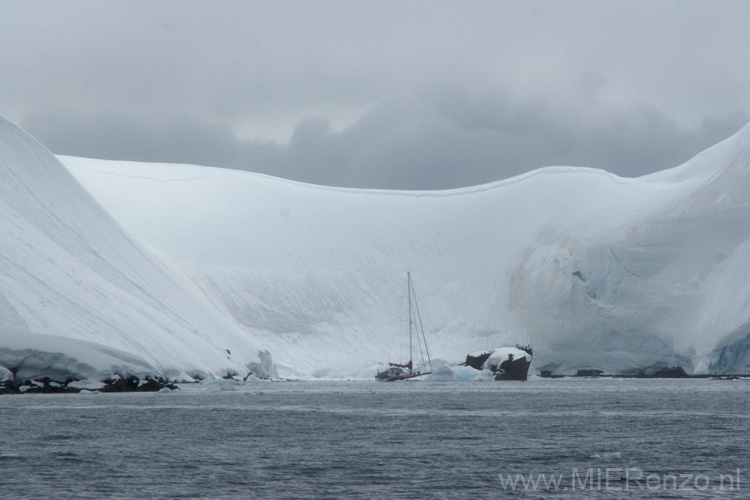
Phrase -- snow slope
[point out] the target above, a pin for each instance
(594, 271)
(70, 271)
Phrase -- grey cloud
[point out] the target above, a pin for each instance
(446, 142)
(457, 93)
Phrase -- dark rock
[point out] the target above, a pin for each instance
(155, 384)
(10, 387)
(513, 369)
(42, 386)
(672, 372)
(134, 384)
(120, 384)
(115, 384)
(477, 362)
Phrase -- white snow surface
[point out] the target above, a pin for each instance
(175, 264)
(37, 356)
(445, 373)
(68, 270)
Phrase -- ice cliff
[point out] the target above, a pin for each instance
(175, 265)
(68, 270)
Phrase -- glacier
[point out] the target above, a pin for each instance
(199, 271)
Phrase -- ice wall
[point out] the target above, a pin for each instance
(189, 269)
(595, 271)
(70, 271)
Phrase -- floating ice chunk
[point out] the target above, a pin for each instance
(265, 368)
(469, 374)
(5, 375)
(221, 384)
(252, 379)
(442, 373)
(446, 373)
(483, 376)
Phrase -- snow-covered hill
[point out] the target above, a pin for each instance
(593, 270)
(70, 271)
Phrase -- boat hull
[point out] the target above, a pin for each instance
(390, 374)
(396, 374)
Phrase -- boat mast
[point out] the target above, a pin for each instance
(408, 281)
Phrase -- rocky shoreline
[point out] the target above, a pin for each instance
(117, 383)
(671, 372)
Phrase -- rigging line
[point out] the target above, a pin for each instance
(421, 327)
(417, 327)
(408, 292)
(413, 319)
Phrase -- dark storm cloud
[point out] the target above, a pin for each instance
(379, 94)
(453, 143)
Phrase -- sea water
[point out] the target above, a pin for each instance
(544, 438)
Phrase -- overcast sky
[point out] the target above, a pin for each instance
(380, 94)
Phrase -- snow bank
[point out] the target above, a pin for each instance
(35, 356)
(5, 375)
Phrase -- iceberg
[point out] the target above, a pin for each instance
(191, 271)
(221, 385)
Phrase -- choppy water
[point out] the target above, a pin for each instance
(600, 438)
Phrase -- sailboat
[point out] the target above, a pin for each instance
(397, 371)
